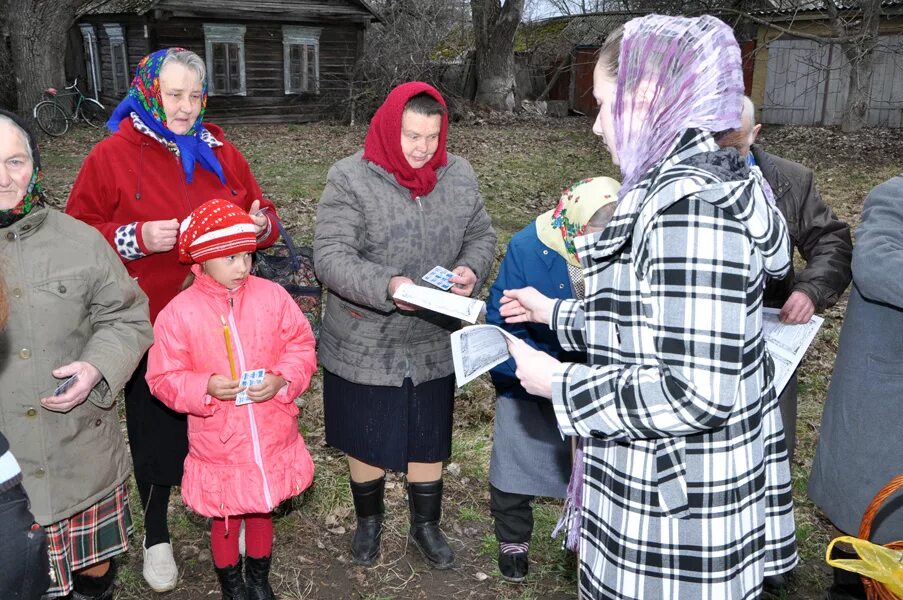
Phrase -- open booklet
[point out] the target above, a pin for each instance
(460, 307)
(477, 349)
(787, 344)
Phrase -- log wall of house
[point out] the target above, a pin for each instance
(137, 47)
(266, 100)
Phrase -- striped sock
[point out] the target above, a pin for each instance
(514, 547)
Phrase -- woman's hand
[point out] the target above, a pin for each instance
(463, 279)
(534, 368)
(266, 390)
(220, 386)
(88, 377)
(526, 305)
(395, 283)
(257, 215)
(160, 236)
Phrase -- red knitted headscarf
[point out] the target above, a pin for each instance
(383, 142)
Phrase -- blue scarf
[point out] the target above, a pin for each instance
(144, 99)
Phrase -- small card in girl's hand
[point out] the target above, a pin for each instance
(248, 379)
(439, 277)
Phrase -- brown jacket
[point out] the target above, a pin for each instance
(70, 299)
(370, 230)
(821, 238)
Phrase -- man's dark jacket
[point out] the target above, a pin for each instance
(822, 239)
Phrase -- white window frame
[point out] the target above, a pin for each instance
(294, 35)
(225, 34)
(92, 58)
(116, 36)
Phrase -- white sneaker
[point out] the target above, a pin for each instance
(160, 570)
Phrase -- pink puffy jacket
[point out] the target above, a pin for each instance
(241, 459)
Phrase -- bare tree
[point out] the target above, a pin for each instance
(405, 44)
(583, 7)
(861, 35)
(37, 35)
(495, 25)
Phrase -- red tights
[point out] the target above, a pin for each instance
(258, 538)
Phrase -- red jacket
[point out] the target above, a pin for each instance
(130, 177)
(241, 459)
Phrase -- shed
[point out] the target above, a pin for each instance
(267, 60)
(564, 50)
(803, 82)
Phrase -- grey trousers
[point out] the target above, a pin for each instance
(788, 403)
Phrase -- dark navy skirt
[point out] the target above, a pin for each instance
(388, 426)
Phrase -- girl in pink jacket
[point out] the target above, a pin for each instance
(244, 458)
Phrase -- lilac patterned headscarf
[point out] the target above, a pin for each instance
(674, 73)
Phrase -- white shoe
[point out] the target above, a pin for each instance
(160, 570)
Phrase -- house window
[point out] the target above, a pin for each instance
(225, 54)
(301, 59)
(92, 58)
(119, 60)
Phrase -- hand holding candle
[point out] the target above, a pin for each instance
(228, 335)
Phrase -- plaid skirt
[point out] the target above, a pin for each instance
(91, 536)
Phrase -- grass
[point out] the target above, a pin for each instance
(521, 165)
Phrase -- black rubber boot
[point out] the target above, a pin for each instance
(231, 582)
(369, 508)
(847, 585)
(94, 588)
(257, 578)
(425, 502)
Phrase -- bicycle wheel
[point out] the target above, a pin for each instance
(92, 112)
(51, 118)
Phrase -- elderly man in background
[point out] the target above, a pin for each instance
(822, 239)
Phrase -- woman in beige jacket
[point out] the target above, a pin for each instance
(77, 327)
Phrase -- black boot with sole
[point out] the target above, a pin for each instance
(257, 578)
(369, 508)
(425, 502)
(232, 582)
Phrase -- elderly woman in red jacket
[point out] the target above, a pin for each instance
(161, 162)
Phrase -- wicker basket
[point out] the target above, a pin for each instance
(875, 590)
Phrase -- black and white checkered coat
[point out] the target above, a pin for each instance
(686, 491)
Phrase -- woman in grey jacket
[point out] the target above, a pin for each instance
(862, 420)
(386, 218)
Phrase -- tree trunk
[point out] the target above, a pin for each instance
(38, 32)
(7, 79)
(861, 56)
(494, 29)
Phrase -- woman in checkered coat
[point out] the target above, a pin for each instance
(685, 488)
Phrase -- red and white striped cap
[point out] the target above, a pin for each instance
(214, 229)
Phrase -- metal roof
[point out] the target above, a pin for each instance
(140, 7)
(789, 7)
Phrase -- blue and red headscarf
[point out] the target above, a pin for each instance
(144, 99)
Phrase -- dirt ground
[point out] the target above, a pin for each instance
(522, 164)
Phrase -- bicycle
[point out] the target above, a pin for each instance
(54, 118)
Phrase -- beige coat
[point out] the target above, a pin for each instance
(70, 299)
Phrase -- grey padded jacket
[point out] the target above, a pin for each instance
(369, 230)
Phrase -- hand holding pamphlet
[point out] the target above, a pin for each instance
(460, 307)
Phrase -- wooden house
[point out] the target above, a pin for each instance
(267, 60)
(804, 82)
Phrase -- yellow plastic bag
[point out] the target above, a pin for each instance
(879, 563)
